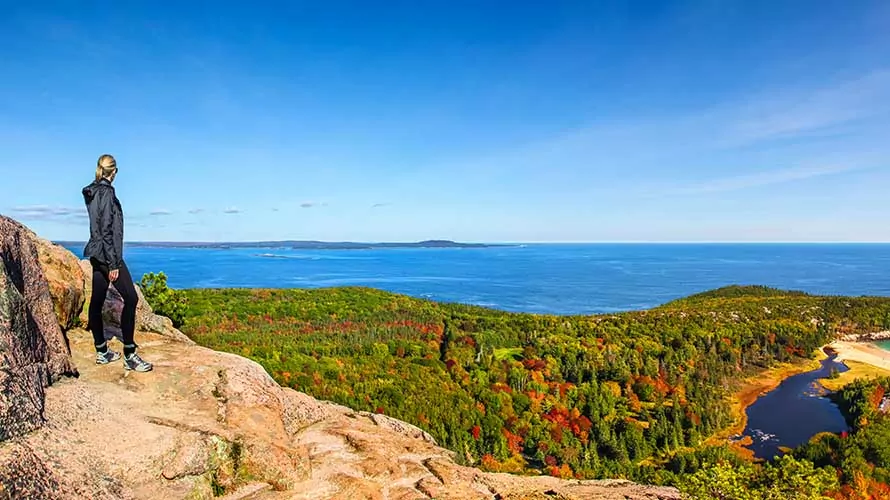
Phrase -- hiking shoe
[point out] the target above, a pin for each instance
(135, 363)
(103, 358)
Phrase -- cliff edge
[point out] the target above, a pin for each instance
(203, 424)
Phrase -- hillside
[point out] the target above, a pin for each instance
(737, 292)
(204, 424)
(635, 395)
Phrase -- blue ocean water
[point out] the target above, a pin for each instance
(556, 279)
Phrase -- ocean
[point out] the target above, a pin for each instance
(551, 278)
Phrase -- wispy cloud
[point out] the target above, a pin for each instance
(160, 212)
(232, 210)
(598, 158)
(380, 205)
(312, 204)
(787, 113)
(760, 179)
(44, 210)
(196, 211)
(49, 213)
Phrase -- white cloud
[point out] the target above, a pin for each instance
(49, 213)
(44, 210)
(768, 178)
(613, 147)
(312, 204)
(791, 112)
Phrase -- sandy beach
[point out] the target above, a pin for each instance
(863, 352)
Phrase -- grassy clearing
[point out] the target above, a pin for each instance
(857, 370)
(508, 353)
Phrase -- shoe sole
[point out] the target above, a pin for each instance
(127, 368)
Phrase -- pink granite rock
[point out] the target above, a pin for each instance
(33, 350)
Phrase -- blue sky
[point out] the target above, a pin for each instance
(475, 121)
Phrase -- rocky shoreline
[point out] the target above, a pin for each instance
(866, 337)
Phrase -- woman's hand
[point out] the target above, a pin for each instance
(113, 275)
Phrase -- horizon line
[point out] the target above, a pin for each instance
(556, 242)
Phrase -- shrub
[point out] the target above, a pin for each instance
(164, 300)
(784, 479)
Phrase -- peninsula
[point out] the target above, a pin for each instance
(300, 244)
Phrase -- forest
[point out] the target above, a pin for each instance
(632, 395)
(862, 456)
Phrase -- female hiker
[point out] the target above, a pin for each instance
(105, 251)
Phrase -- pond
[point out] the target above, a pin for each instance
(794, 412)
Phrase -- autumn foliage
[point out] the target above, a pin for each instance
(632, 395)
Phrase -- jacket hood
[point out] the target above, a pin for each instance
(89, 192)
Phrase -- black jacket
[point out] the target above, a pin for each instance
(106, 224)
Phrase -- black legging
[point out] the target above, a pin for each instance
(125, 287)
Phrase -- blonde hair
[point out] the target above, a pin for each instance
(105, 167)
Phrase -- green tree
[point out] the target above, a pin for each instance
(164, 300)
(785, 479)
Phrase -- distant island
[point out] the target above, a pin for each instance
(299, 245)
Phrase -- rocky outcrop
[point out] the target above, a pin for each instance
(206, 424)
(64, 277)
(33, 350)
(866, 337)
(146, 319)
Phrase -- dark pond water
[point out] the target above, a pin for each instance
(794, 412)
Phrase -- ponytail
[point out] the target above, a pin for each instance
(105, 167)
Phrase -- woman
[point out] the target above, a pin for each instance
(105, 251)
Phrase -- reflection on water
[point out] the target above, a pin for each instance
(794, 412)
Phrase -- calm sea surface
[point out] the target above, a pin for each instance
(558, 279)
